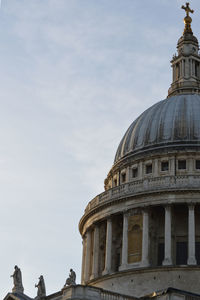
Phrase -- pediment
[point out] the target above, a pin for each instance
(16, 296)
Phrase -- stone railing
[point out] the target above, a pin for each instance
(145, 185)
(91, 293)
(106, 295)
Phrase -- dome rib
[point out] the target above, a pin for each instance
(170, 121)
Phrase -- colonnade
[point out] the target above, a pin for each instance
(90, 263)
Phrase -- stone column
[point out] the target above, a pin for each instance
(124, 243)
(83, 262)
(193, 68)
(108, 258)
(95, 262)
(180, 64)
(156, 168)
(190, 64)
(87, 256)
(128, 174)
(140, 170)
(145, 239)
(168, 237)
(191, 236)
(187, 68)
(182, 67)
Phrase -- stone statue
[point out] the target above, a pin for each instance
(17, 280)
(41, 292)
(71, 280)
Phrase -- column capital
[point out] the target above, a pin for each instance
(191, 205)
(126, 212)
(109, 219)
(167, 205)
(145, 210)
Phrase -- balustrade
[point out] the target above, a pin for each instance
(147, 184)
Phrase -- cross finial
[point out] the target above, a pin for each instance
(187, 19)
(187, 9)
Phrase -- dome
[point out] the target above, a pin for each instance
(142, 233)
(175, 120)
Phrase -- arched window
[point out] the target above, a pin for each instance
(177, 71)
(135, 239)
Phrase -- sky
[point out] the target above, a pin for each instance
(74, 74)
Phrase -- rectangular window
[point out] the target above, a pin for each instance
(149, 169)
(134, 172)
(164, 166)
(182, 164)
(115, 182)
(181, 253)
(123, 177)
(197, 252)
(160, 253)
(196, 68)
(197, 164)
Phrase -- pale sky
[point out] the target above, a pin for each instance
(74, 74)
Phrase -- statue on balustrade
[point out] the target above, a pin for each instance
(41, 292)
(17, 281)
(71, 280)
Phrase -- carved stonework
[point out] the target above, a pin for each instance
(17, 281)
(41, 292)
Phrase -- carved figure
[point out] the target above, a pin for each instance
(71, 280)
(17, 280)
(41, 292)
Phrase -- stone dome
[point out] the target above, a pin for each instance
(143, 232)
(173, 121)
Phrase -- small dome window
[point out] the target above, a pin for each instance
(115, 182)
(164, 166)
(149, 169)
(182, 164)
(135, 172)
(198, 164)
(123, 177)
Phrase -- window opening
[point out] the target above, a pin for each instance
(165, 166)
(160, 253)
(182, 164)
(123, 177)
(148, 169)
(197, 164)
(181, 253)
(196, 68)
(134, 172)
(197, 252)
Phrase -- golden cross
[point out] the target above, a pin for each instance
(187, 9)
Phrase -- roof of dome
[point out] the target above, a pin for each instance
(175, 120)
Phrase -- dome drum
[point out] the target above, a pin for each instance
(143, 232)
(122, 243)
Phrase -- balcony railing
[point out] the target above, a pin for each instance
(91, 293)
(146, 185)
